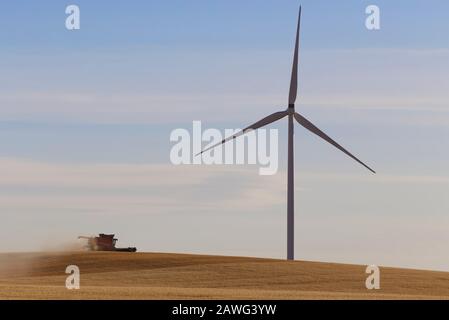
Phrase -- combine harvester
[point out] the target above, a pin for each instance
(104, 242)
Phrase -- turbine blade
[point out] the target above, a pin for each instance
(294, 79)
(311, 127)
(259, 124)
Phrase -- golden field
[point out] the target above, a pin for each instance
(115, 275)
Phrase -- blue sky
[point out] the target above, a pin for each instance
(221, 24)
(85, 120)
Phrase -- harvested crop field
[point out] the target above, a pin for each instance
(115, 275)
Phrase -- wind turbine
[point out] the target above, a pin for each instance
(290, 112)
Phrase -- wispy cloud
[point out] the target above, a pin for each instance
(378, 179)
(136, 188)
(133, 188)
(382, 80)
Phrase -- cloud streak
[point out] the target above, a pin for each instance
(132, 188)
(360, 79)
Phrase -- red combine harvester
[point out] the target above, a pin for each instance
(104, 242)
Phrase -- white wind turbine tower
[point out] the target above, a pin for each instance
(290, 112)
